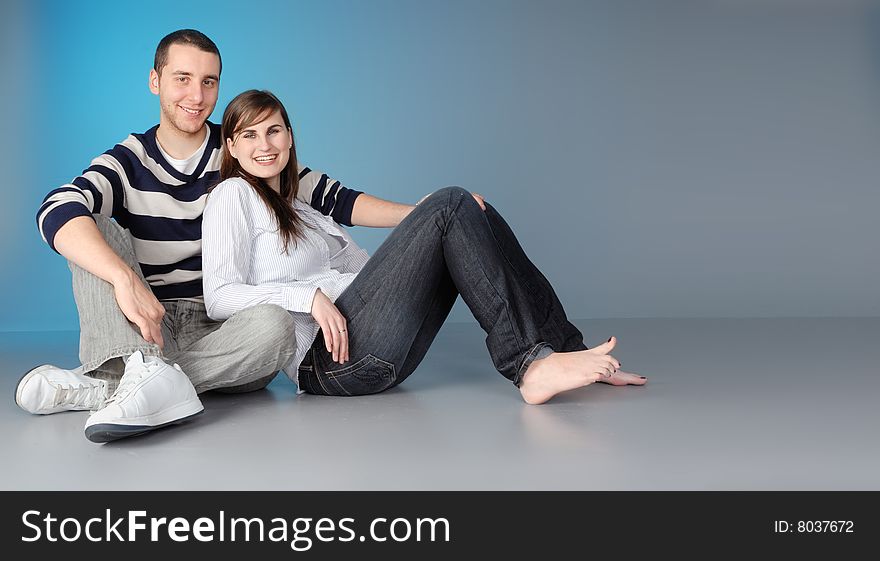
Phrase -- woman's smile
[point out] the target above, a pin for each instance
(267, 160)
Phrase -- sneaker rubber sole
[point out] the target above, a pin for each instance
(108, 432)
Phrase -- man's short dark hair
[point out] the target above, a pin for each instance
(183, 37)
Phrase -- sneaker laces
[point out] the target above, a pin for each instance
(131, 378)
(81, 395)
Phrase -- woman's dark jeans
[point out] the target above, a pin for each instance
(395, 306)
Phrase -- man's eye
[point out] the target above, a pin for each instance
(182, 79)
(209, 83)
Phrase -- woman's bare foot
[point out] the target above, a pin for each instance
(561, 372)
(621, 378)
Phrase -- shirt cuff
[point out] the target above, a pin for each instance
(300, 298)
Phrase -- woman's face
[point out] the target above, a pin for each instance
(263, 149)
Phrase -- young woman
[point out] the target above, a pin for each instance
(363, 324)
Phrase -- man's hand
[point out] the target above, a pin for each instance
(140, 306)
(82, 243)
(333, 326)
(480, 201)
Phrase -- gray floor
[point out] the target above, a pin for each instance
(772, 404)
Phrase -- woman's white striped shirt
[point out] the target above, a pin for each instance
(244, 263)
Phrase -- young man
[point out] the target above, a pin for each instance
(137, 281)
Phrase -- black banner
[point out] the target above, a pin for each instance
(400, 525)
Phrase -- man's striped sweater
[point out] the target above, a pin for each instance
(162, 208)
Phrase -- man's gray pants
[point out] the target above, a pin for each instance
(241, 354)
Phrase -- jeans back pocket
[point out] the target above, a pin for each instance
(366, 376)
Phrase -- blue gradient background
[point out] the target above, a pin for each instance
(657, 159)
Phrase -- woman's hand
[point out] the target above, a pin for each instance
(333, 325)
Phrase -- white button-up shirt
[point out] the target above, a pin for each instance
(244, 263)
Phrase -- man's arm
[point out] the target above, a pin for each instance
(373, 211)
(349, 207)
(65, 222)
(327, 196)
(378, 213)
(80, 241)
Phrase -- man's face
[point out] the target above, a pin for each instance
(187, 87)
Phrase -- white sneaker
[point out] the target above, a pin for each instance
(48, 389)
(150, 395)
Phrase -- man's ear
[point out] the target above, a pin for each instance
(154, 82)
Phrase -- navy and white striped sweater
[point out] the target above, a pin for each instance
(162, 208)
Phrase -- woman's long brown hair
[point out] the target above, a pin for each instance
(248, 108)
